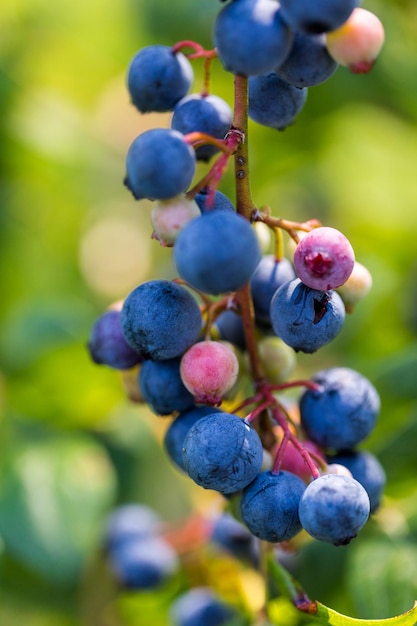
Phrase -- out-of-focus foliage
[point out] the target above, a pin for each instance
(72, 241)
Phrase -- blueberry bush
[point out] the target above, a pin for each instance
(199, 200)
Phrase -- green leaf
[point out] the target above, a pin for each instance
(330, 617)
(53, 495)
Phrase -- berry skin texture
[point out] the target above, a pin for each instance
(143, 563)
(367, 470)
(357, 43)
(222, 452)
(316, 17)
(107, 345)
(334, 508)
(207, 114)
(162, 388)
(178, 430)
(159, 165)
(209, 369)
(269, 506)
(342, 411)
(200, 607)
(273, 102)
(217, 252)
(304, 318)
(324, 259)
(158, 78)
(169, 217)
(251, 37)
(160, 319)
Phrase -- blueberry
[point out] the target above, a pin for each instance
(159, 164)
(334, 508)
(178, 429)
(107, 344)
(207, 114)
(342, 411)
(269, 506)
(234, 538)
(273, 102)
(130, 522)
(217, 252)
(220, 201)
(158, 78)
(319, 16)
(308, 62)
(222, 452)
(162, 388)
(304, 318)
(367, 470)
(143, 563)
(269, 275)
(160, 319)
(200, 607)
(229, 326)
(251, 37)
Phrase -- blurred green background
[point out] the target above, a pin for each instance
(72, 241)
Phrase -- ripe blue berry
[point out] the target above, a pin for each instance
(220, 201)
(159, 164)
(158, 78)
(308, 62)
(233, 537)
(273, 102)
(304, 318)
(367, 470)
(130, 522)
(204, 113)
(107, 344)
(251, 37)
(200, 607)
(269, 506)
(269, 275)
(162, 388)
(217, 252)
(342, 411)
(178, 430)
(319, 16)
(143, 563)
(222, 452)
(334, 508)
(160, 319)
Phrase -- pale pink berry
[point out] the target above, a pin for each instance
(357, 43)
(169, 217)
(324, 259)
(209, 369)
(356, 287)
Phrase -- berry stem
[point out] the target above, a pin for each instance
(245, 207)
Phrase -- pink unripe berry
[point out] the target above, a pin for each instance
(338, 469)
(292, 460)
(324, 259)
(208, 370)
(169, 217)
(357, 43)
(356, 287)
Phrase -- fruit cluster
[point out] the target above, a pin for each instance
(236, 312)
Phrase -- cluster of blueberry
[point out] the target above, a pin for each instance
(141, 557)
(189, 341)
